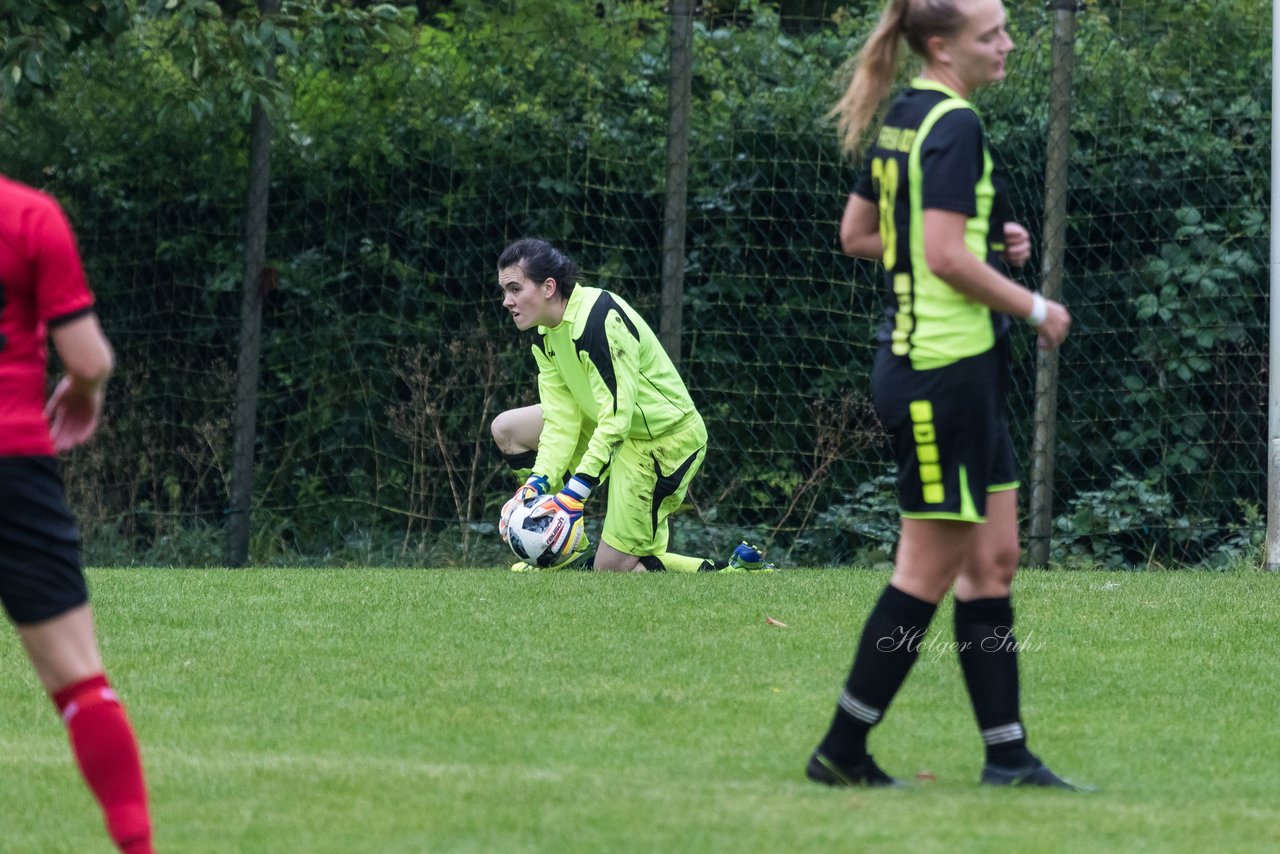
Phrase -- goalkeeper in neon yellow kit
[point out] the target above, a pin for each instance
(611, 404)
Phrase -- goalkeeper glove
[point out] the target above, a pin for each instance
(566, 529)
(533, 487)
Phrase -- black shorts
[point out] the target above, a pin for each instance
(40, 574)
(950, 432)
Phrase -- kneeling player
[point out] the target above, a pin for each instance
(611, 403)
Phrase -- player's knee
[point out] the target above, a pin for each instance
(516, 431)
(503, 431)
(611, 560)
(1001, 562)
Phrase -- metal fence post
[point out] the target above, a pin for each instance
(1057, 159)
(245, 414)
(671, 313)
(1272, 556)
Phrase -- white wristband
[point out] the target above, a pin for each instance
(1039, 310)
(578, 488)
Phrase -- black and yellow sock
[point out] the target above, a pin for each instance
(672, 562)
(521, 463)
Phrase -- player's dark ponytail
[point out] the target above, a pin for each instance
(541, 261)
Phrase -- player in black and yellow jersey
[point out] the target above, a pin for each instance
(926, 205)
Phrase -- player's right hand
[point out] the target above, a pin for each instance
(533, 487)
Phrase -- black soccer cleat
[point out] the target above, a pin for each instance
(1034, 773)
(864, 773)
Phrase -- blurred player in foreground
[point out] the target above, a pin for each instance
(43, 589)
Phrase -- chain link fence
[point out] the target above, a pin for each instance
(396, 180)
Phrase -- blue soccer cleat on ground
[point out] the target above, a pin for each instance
(748, 558)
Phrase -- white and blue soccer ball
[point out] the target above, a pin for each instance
(531, 537)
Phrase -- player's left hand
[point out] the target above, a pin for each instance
(73, 414)
(1017, 244)
(1057, 323)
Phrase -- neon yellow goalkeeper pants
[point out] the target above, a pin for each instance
(648, 481)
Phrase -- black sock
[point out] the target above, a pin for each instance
(989, 660)
(889, 645)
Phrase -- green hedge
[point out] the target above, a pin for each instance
(397, 179)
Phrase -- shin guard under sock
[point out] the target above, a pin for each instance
(888, 648)
(107, 752)
(989, 661)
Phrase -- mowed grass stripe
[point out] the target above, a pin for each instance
(383, 710)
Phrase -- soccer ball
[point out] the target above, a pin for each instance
(530, 537)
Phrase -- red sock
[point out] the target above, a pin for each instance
(107, 752)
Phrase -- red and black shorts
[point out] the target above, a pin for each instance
(950, 432)
(40, 573)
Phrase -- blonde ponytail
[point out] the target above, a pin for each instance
(876, 64)
(874, 70)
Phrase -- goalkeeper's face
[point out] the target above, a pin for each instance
(530, 303)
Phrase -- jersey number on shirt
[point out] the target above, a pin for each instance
(884, 173)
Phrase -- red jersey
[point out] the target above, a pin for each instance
(42, 284)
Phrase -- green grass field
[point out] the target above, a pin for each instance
(396, 711)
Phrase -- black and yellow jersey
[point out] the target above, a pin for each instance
(603, 373)
(931, 153)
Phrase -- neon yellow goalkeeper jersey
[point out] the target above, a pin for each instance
(602, 372)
